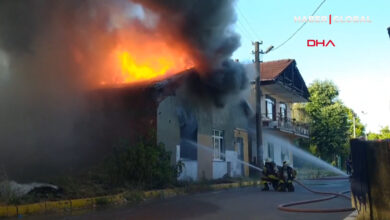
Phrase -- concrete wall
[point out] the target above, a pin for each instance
(205, 157)
(190, 170)
(168, 129)
(227, 118)
(219, 169)
(370, 182)
(235, 167)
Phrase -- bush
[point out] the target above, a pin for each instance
(142, 165)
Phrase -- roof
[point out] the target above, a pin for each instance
(271, 70)
(283, 77)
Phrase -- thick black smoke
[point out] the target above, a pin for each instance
(207, 27)
(48, 50)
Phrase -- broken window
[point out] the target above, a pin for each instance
(218, 145)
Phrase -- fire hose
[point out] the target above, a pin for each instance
(330, 195)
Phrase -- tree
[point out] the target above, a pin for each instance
(383, 134)
(329, 126)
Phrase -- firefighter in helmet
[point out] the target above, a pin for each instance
(286, 176)
(269, 175)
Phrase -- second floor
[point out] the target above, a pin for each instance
(281, 86)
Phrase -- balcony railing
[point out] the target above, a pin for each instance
(287, 125)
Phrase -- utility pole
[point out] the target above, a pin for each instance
(354, 127)
(259, 136)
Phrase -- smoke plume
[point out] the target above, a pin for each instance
(53, 52)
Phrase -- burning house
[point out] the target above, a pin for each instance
(210, 139)
(62, 63)
(77, 76)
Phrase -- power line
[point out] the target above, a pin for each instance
(244, 35)
(247, 22)
(244, 29)
(284, 42)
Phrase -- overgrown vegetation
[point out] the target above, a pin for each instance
(132, 167)
(144, 165)
(331, 123)
(383, 134)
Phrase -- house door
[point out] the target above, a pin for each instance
(241, 147)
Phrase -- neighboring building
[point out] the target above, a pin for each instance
(281, 85)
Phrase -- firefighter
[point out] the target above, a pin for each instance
(286, 176)
(269, 175)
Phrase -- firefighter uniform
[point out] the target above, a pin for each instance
(269, 175)
(286, 176)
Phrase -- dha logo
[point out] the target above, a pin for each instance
(315, 43)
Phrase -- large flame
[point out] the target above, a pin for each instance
(140, 63)
(140, 58)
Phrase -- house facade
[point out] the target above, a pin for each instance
(207, 139)
(214, 142)
(282, 85)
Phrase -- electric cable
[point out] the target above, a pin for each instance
(288, 39)
(247, 22)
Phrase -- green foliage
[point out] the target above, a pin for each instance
(141, 165)
(383, 134)
(329, 127)
(299, 113)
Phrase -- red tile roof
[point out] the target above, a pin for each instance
(271, 70)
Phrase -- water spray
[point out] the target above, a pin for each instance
(287, 206)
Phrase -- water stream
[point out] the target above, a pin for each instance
(298, 154)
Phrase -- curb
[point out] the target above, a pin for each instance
(65, 206)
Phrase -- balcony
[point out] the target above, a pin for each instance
(287, 125)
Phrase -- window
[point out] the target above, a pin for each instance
(218, 146)
(283, 111)
(271, 151)
(270, 108)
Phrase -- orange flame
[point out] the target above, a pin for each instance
(139, 58)
(138, 66)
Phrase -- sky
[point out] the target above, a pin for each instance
(359, 64)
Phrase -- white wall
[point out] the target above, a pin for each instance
(190, 170)
(219, 169)
(235, 166)
(279, 142)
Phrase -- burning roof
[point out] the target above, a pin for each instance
(54, 53)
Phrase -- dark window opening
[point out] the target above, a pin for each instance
(270, 109)
(283, 111)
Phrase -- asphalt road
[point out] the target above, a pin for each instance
(244, 203)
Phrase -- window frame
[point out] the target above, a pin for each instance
(218, 145)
